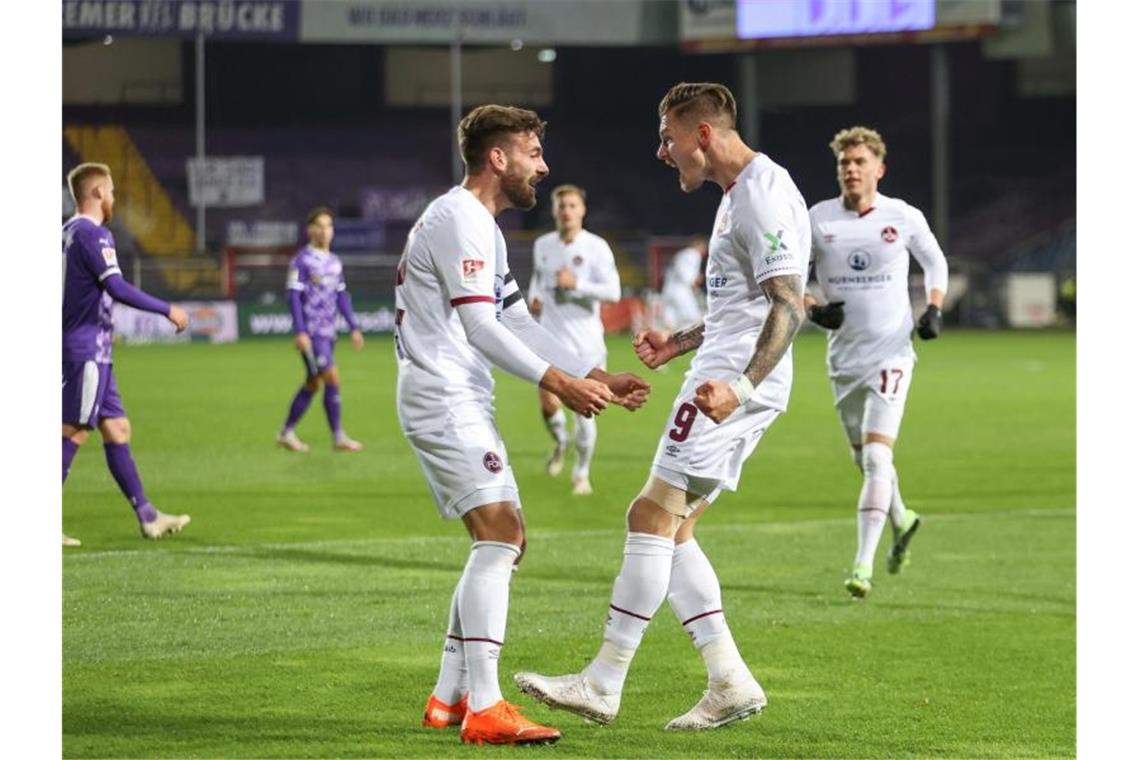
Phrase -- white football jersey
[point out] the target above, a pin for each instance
(761, 231)
(575, 316)
(455, 254)
(683, 270)
(864, 261)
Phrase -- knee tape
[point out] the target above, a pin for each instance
(673, 500)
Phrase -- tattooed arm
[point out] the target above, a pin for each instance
(655, 347)
(785, 316)
(718, 399)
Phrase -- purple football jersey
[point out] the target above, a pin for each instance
(319, 276)
(88, 260)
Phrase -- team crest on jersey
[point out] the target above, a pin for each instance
(577, 261)
(890, 234)
(492, 462)
(859, 260)
(471, 268)
(109, 255)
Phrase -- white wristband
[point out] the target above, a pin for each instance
(743, 388)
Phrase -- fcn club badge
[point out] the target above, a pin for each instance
(890, 234)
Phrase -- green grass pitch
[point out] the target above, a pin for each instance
(301, 613)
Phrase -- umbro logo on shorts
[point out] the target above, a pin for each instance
(492, 462)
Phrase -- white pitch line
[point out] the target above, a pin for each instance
(785, 525)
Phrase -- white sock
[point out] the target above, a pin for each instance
(898, 509)
(556, 425)
(694, 595)
(638, 591)
(483, 595)
(452, 682)
(585, 438)
(874, 499)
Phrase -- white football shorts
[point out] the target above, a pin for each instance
(702, 457)
(873, 402)
(465, 461)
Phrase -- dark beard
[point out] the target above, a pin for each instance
(519, 192)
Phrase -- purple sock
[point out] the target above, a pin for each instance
(69, 449)
(332, 407)
(123, 470)
(298, 408)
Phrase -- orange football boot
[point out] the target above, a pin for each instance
(439, 714)
(501, 723)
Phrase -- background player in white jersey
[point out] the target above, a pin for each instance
(574, 273)
(736, 387)
(861, 245)
(684, 281)
(458, 311)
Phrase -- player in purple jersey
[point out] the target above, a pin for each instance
(92, 282)
(317, 291)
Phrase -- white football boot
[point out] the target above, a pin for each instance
(290, 442)
(722, 703)
(571, 692)
(163, 525)
(580, 486)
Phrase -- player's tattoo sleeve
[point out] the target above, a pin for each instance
(785, 316)
(690, 338)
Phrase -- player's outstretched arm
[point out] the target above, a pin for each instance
(511, 354)
(718, 399)
(629, 390)
(517, 319)
(585, 396)
(124, 292)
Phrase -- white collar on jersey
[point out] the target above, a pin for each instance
(88, 217)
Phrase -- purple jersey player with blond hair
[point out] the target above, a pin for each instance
(92, 282)
(317, 291)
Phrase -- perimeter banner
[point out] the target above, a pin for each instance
(259, 319)
(210, 321)
(271, 20)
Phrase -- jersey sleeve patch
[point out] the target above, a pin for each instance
(471, 269)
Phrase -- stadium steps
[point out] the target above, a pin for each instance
(143, 206)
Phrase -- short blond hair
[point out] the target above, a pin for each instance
(852, 136)
(566, 189)
(78, 179)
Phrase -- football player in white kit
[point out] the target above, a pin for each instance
(459, 310)
(681, 289)
(736, 387)
(862, 242)
(574, 273)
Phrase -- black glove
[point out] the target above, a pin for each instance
(930, 323)
(829, 315)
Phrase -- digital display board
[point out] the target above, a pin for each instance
(760, 19)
